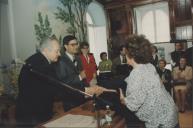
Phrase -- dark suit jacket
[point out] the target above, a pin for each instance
(154, 61)
(68, 73)
(120, 70)
(34, 103)
(116, 62)
(189, 55)
(168, 78)
(175, 56)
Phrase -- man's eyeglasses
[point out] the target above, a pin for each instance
(84, 47)
(75, 44)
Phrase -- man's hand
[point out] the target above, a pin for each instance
(94, 89)
(83, 74)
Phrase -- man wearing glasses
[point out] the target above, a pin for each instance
(69, 70)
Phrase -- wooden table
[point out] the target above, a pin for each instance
(86, 109)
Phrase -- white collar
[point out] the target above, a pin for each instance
(70, 56)
(49, 61)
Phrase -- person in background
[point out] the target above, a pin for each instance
(120, 68)
(165, 75)
(36, 93)
(175, 55)
(154, 59)
(88, 63)
(145, 94)
(105, 66)
(182, 75)
(189, 55)
(70, 71)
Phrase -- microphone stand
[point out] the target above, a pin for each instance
(96, 111)
(60, 83)
(94, 97)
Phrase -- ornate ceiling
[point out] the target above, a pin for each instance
(110, 3)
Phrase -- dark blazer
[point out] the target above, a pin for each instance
(68, 73)
(189, 55)
(167, 76)
(175, 56)
(116, 61)
(34, 103)
(119, 70)
(154, 61)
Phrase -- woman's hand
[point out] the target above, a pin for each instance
(94, 75)
(122, 98)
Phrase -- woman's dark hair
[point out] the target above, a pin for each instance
(83, 44)
(163, 60)
(139, 48)
(102, 53)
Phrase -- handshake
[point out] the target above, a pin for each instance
(95, 89)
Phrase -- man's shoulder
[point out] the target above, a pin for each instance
(173, 52)
(116, 59)
(36, 58)
(189, 49)
(64, 57)
(167, 70)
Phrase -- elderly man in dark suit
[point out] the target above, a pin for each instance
(37, 92)
(69, 70)
(34, 103)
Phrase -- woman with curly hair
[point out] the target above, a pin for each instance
(145, 94)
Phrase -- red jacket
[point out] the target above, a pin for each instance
(89, 66)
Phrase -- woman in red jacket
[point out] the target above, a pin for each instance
(88, 62)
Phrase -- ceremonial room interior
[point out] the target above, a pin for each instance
(104, 28)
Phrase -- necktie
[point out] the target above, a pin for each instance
(124, 60)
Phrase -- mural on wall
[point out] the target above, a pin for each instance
(74, 13)
(45, 23)
(42, 29)
(59, 18)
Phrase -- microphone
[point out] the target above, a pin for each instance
(51, 79)
(57, 81)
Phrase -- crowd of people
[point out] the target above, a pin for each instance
(140, 76)
(178, 80)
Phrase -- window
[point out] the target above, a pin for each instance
(184, 32)
(97, 38)
(153, 21)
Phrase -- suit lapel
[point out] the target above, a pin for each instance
(70, 63)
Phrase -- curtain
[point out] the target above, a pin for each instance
(5, 42)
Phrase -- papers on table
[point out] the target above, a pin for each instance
(73, 121)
